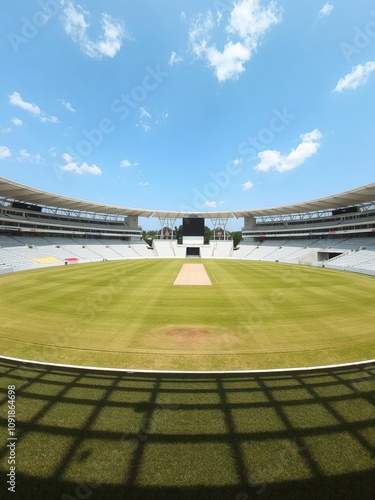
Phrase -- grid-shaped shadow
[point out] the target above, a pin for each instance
(121, 435)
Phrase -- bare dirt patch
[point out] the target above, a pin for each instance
(192, 338)
(189, 335)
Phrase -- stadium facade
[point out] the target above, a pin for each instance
(319, 227)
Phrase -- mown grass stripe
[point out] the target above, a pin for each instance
(255, 315)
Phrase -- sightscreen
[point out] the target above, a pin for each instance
(193, 226)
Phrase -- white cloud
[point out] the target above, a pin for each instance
(200, 33)
(143, 184)
(149, 120)
(174, 59)
(146, 127)
(210, 204)
(49, 118)
(247, 25)
(326, 10)
(144, 113)
(16, 100)
(5, 130)
(5, 152)
(229, 63)
(125, 164)
(356, 78)
(67, 105)
(251, 21)
(114, 32)
(71, 165)
(219, 17)
(237, 168)
(182, 17)
(145, 118)
(24, 155)
(128, 164)
(247, 185)
(110, 41)
(270, 159)
(16, 121)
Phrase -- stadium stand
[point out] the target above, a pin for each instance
(38, 228)
(222, 249)
(163, 248)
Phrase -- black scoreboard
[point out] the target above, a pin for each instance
(193, 226)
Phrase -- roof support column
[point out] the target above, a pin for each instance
(220, 222)
(166, 222)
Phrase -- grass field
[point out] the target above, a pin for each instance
(98, 436)
(255, 315)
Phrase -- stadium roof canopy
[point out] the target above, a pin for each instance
(13, 191)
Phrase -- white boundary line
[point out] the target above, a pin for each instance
(198, 372)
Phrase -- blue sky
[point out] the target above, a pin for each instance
(188, 105)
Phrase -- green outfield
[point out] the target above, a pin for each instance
(256, 315)
(97, 435)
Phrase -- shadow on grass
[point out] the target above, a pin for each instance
(99, 435)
